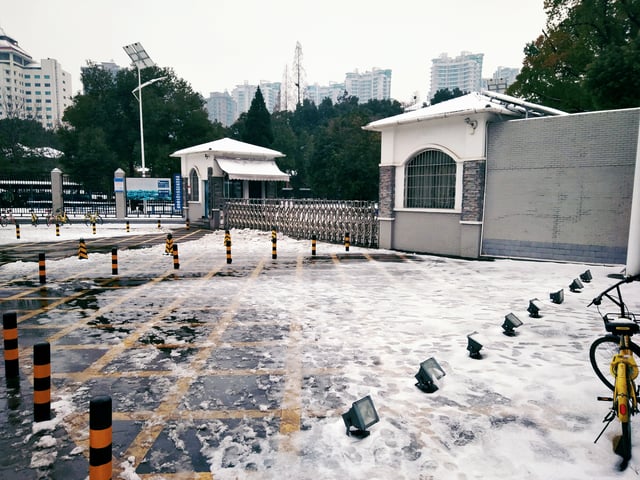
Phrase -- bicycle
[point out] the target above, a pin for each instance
(60, 218)
(34, 218)
(91, 218)
(6, 218)
(612, 359)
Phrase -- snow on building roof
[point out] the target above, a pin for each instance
(230, 148)
(474, 102)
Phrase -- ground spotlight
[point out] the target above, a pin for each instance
(534, 308)
(474, 346)
(557, 297)
(586, 276)
(576, 285)
(511, 322)
(430, 371)
(361, 416)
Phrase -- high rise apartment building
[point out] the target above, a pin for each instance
(371, 85)
(374, 84)
(463, 72)
(32, 90)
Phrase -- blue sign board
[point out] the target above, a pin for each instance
(177, 188)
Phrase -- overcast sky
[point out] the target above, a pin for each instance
(216, 45)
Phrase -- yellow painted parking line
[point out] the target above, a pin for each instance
(177, 476)
(291, 401)
(140, 446)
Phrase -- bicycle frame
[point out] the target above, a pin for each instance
(625, 371)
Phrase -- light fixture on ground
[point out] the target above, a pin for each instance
(474, 345)
(534, 308)
(557, 297)
(360, 416)
(430, 371)
(576, 285)
(141, 60)
(511, 322)
(586, 276)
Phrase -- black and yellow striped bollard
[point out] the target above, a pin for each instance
(42, 382)
(176, 259)
(100, 438)
(313, 245)
(346, 242)
(128, 228)
(17, 230)
(114, 261)
(93, 227)
(274, 243)
(168, 244)
(227, 242)
(187, 225)
(82, 250)
(42, 268)
(57, 229)
(158, 223)
(11, 356)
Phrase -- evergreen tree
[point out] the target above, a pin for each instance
(257, 126)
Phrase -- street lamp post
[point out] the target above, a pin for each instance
(140, 59)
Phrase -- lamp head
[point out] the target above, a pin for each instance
(361, 416)
(474, 346)
(534, 308)
(511, 322)
(586, 276)
(557, 297)
(576, 285)
(430, 371)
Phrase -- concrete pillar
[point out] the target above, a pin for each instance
(633, 247)
(120, 190)
(57, 201)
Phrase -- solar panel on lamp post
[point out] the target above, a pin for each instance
(140, 59)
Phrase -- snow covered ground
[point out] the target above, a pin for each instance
(526, 410)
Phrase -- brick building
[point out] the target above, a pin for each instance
(491, 175)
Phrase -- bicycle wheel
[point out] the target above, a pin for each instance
(600, 354)
(99, 220)
(3, 221)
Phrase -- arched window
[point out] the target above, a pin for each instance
(430, 181)
(194, 182)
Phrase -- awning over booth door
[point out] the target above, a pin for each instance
(266, 170)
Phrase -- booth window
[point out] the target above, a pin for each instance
(430, 181)
(194, 182)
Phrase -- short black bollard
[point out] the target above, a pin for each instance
(346, 242)
(227, 243)
(168, 245)
(42, 268)
(274, 244)
(313, 245)
(42, 382)
(100, 438)
(11, 354)
(114, 261)
(82, 250)
(176, 260)
(17, 230)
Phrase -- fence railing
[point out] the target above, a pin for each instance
(328, 220)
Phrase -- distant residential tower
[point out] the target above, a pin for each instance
(31, 90)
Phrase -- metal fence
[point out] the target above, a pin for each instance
(328, 220)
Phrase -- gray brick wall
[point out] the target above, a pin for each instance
(560, 188)
(473, 190)
(387, 191)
